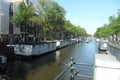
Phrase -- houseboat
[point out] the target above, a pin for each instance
(35, 49)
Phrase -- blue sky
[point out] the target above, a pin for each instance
(89, 14)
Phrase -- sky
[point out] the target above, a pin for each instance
(89, 14)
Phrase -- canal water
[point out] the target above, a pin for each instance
(48, 66)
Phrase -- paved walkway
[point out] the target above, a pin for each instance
(107, 67)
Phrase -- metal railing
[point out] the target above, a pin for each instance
(72, 71)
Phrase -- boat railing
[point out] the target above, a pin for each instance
(69, 73)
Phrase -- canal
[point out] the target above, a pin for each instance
(48, 66)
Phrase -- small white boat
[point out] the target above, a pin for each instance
(87, 41)
(102, 45)
(97, 40)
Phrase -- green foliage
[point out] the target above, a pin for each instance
(49, 38)
(23, 14)
(49, 22)
(113, 28)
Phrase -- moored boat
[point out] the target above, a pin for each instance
(35, 49)
(5, 50)
(3, 63)
(102, 45)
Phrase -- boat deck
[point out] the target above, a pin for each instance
(107, 67)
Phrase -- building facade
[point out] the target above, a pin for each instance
(7, 10)
(13, 6)
(4, 17)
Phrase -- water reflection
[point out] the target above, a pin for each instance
(4, 77)
(58, 56)
(35, 69)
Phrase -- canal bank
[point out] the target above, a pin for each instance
(115, 50)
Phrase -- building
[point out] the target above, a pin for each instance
(13, 6)
(7, 10)
(4, 17)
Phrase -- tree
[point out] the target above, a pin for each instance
(52, 15)
(23, 16)
(47, 21)
(115, 25)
